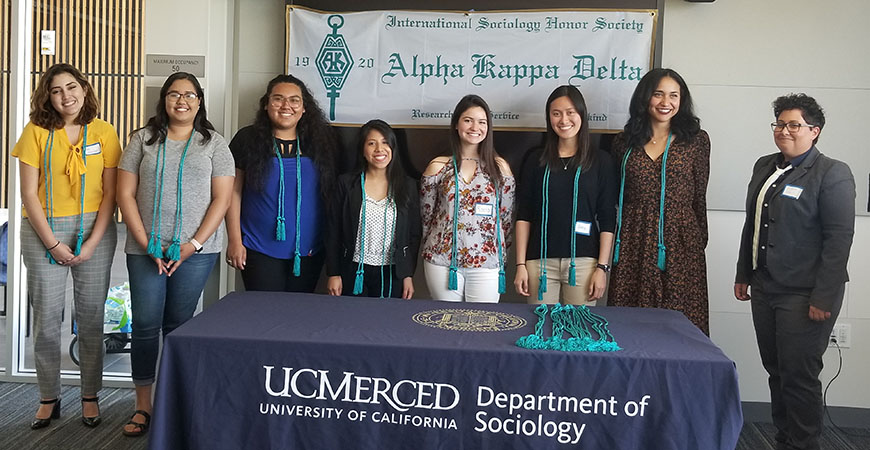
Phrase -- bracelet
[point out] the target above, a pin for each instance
(53, 246)
(521, 264)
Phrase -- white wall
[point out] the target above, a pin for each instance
(260, 52)
(195, 27)
(737, 56)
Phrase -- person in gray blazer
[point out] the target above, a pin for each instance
(800, 219)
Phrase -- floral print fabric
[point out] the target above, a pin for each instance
(476, 232)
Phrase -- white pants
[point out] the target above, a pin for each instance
(473, 285)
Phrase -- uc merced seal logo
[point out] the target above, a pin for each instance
(334, 61)
(469, 320)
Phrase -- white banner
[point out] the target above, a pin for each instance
(410, 68)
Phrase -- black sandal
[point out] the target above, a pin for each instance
(142, 427)
(55, 414)
(91, 421)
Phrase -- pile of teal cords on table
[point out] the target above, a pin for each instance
(588, 330)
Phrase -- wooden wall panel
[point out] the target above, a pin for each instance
(103, 39)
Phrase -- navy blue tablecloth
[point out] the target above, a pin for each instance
(303, 371)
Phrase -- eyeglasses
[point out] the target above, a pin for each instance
(175, 96)
(793, 127)
(279, 101)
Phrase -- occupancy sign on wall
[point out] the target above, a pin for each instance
(410, 68)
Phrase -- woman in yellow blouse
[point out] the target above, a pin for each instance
(67, 164)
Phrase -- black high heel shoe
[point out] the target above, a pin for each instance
(55, 414)
(91, 421)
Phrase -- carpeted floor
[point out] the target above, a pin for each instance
(759, 436)
(18, 404)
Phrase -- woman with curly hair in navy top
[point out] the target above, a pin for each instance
(284, 177)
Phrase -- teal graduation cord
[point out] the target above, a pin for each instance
(154, 244)
(155, 241)
(619, 208)
(297, 261)
(579, 322)
(391, 202)
(661, 258)
(452, 282)
(536, 340)
(174, 250)
(545, 219)
(501, 275)
(661, 250)
(572, 275)
(49, 192)
(358, 279)
(280, 227)
(279, 218)
(80, 237)
(49, 189)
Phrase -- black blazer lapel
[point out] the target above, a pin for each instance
(763, 170)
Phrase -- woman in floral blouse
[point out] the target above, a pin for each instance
(465, 243)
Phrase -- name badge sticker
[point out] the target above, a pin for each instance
(93, 149)
(792, 191)
(483, 209)
(584, 228)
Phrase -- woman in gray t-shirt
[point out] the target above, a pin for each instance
(174, 188)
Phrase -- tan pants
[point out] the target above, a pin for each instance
(558, 288)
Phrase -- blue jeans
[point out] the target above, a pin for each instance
(161, 302)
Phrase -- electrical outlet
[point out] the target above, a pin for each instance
(842, 333)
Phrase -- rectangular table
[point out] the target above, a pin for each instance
(304, 371)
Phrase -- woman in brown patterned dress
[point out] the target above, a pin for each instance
(663, 155)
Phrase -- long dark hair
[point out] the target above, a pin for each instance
(395, 172)
(684, 124)
(313, 129)
(584, 156)
(158, 123)
(486, 148)
(43, 114)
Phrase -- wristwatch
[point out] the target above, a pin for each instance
(604, 267)
(196, 245)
